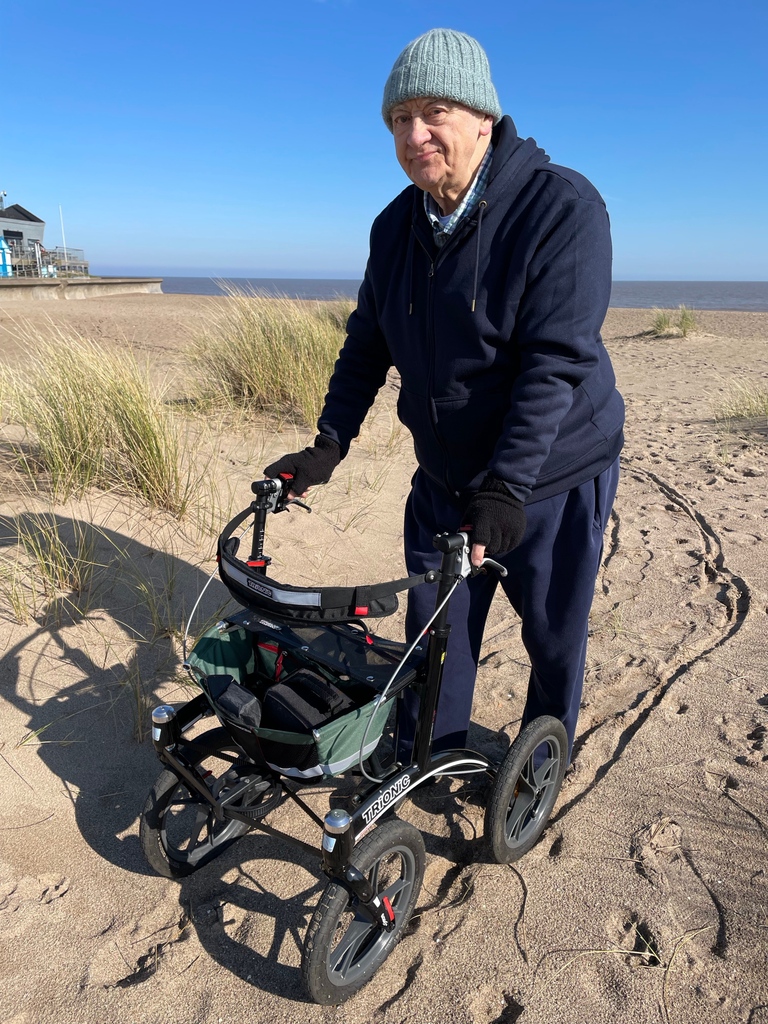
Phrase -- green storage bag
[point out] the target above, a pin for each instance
(223, 654)
(338, 742)
(330, 749)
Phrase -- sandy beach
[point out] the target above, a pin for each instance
(646, 899)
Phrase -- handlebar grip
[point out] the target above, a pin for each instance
(267, 486)
(448, 542)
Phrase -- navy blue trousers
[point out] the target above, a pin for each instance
(550, 585)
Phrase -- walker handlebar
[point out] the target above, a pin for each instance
(272, 494)
(459, 544)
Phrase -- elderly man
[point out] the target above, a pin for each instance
(487, 284)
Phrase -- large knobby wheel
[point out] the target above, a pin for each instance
(343, 948)
(179, 831)
(526, 788)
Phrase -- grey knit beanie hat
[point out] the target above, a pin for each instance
(445, 64)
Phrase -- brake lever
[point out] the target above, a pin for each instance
(273, 494)
(466, 567)
(296, 501)
(286, 479)
(491, 564)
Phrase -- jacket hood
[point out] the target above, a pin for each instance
(514, 159)
(514, 162)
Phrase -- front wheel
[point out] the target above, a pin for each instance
(179, 831)
(343, 948)
(526, 788)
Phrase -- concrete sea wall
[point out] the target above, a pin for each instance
(77, 288)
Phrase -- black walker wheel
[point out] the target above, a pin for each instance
(343, 948)
(526, 788)
(179, 831)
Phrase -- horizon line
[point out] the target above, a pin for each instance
(348, 276)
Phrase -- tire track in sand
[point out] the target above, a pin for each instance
(731, 592)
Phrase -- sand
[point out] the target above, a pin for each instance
(647, 897)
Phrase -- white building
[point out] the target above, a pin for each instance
(23, 233)
(20, 228)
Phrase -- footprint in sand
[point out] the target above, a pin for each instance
(16, 893)
(663, 857)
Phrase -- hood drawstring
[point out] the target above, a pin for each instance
(480, 209)
(409, 263)
(409, 259)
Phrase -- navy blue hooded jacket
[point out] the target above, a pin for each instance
(496, 335)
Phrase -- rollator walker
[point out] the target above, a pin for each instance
(299, 690)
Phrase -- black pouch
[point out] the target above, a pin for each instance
(238, 703)
(302, 701)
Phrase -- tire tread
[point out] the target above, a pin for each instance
(386, 836)
(536, 732)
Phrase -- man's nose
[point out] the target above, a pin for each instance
(419, 133)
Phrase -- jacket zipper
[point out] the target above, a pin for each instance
(431, 369)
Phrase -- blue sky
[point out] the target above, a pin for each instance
(245, 139)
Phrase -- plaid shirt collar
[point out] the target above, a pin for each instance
(469, 202)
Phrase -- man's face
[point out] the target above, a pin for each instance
(440, 145)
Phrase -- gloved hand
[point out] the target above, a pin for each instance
(309, 467)
(496, 517)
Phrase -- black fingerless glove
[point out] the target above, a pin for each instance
(312, 466)
(496, 517)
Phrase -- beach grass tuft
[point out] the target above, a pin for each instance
(686, 321)
(744, 403)
(661, 323)
(665, 323)
(268, 354)
(93, 418)
(50, 568)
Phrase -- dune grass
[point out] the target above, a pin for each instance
(48, 566)
(664, 322)
(744, 405)
(686, 321)
(669, 323)
(272, 355)
(661, 323)
(94, 419)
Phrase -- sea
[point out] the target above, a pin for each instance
(725, 295)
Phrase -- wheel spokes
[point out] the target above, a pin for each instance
(530, 791)
(519, 815)
(546, 773)
(523, 801)
(201, 820)
(354, 946)
(393, 891)
(346, 952)
(191, 830)
(528, 774)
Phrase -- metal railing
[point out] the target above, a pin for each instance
(32, 260)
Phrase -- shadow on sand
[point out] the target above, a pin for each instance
(86, 676)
